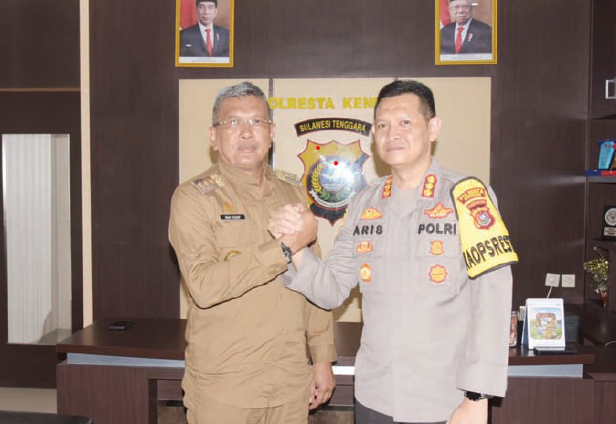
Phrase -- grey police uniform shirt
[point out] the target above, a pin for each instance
(429, 331)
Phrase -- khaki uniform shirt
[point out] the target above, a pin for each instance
(429, 331)
(247, 335)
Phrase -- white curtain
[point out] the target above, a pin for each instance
(37, 234)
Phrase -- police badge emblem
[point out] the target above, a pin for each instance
(475, 199)
(332, 175)
(437, 247)
(365, 273)
(437, 274)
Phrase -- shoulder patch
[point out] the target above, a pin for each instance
(485, 241)
(208, 184)
(288, 177)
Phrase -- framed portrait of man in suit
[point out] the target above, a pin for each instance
(204, 33)
(465, 32)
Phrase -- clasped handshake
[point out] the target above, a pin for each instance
(294, 225)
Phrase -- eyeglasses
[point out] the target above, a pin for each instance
(239, 122)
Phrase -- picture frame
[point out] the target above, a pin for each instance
(204, 33)
(544, 323)
(465, 32)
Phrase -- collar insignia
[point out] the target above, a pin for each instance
(429, 186)
(387, 188)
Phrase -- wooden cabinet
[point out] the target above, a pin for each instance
(601, 191)
(603, 59)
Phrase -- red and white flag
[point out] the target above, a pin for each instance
(188, 15)
(445, 18)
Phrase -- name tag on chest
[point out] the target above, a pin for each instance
(233, 217)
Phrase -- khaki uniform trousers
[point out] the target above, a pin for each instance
(209, 411)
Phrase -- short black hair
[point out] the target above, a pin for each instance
(400, 87)
(206, 1)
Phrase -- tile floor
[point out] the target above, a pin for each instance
(31, 400)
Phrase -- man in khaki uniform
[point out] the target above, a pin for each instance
(431, 257)
(247, 334)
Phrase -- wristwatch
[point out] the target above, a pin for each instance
(287, 252)
(474, 396)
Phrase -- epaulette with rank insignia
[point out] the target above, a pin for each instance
(288, 177)
(208, 184)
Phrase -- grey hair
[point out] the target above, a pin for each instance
(239, 90)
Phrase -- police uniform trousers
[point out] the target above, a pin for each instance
(364, 415)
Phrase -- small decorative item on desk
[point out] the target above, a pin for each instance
(513, 330)
(599, 269)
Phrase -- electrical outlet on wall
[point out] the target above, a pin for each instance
(552, 280)
(569, 280)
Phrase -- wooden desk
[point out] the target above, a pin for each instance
(118, 377)
(135, 368)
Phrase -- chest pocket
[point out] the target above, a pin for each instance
(368, 238)
(233, 236)
(439, 265)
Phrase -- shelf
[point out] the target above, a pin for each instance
(604, 244)
(606, 179)
(606, 117)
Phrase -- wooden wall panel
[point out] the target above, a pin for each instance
(134, 145)
(39, 46)
(539, 110)
(538, 122)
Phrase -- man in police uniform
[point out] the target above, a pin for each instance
(431, 256)
(246, 333)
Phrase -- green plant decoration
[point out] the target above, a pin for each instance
(599, 269)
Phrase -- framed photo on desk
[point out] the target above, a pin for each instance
(544, 324)
(465, 32)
